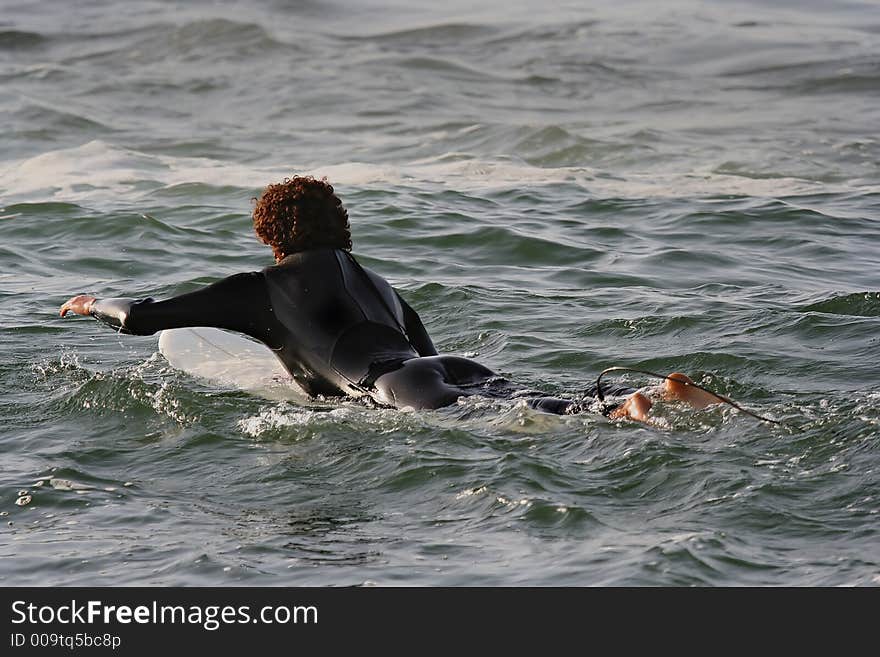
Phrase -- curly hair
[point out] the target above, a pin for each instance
(301, 213)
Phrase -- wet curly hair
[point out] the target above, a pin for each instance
(301, 213)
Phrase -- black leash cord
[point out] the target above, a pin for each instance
(601, 396)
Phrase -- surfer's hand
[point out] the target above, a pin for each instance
(81, 305)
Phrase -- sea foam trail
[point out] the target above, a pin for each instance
(99, 172)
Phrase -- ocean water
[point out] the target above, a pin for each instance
(678, 186)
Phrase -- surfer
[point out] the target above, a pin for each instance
(337, 327)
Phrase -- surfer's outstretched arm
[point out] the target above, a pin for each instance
(238, 303)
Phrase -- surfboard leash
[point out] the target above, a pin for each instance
(606, 407)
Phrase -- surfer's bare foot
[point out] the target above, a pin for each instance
(81, 305)
(636, 407)
(676, 387)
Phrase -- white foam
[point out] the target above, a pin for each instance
(101, 172)
(55, 173)
(272, 419)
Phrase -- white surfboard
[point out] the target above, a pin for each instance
(230, 360)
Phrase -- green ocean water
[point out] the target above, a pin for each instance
(692, 187)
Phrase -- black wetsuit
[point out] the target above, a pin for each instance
(338, 328)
